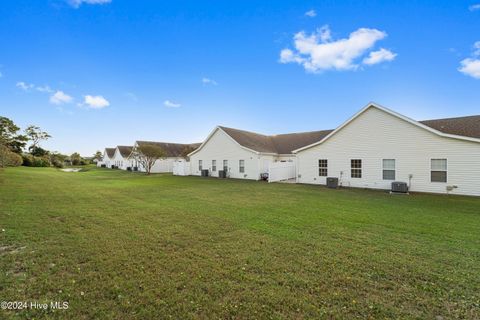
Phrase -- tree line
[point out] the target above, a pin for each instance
(23, 148)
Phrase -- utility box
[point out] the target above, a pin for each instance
(399, 187)
(332, 183)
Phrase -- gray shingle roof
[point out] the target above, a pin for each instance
(172, 149)
(110, 152)
(125, 150)
(462, 126)
(279, 144)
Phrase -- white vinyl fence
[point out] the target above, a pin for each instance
(281, 171)
(181, 168)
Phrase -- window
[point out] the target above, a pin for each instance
(200, 166)
(356, 168)
(323, 167)
(214, 165)
(241, 166)
(388, 169)
(438, 170)
(225, 165)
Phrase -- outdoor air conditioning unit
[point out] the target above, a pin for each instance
(135, 168)
(205, 173)
(129, 168)
(103, 166)
(222, 174)
(113, 167)
(399, 187)
(332, 183)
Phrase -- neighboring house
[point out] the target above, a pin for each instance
(173, 152)
(121, 158)
(377, 146)
(247, 155)
(107, 158)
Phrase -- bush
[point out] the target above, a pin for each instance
(27, 160)
(9, 158)
(31, 161)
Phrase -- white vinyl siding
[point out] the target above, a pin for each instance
(376, 135)
(388, 169)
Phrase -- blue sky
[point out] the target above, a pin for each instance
(96, 75)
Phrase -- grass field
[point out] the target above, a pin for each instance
(118, 245)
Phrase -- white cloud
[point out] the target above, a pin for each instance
(170, 104)
(95, 102)
(471, 66)
(209, 81)
(317, 52)
(474, 7)
(379, 56)
(78, 3)
(24, 86)
(44, 89)
(60, 97)
(476, 46)
(311, 13)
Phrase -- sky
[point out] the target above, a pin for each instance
(101, 73)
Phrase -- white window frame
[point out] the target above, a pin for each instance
(358, 170)
(241, 166)
(325, 167)
(214, 165)
(200, 165)
(435, 168)
(389, 169)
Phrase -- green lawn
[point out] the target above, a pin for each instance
(118, 245)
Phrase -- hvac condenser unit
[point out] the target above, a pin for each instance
(332, 183)
(399, 187)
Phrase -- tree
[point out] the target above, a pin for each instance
(9, 158)
(147, 153)
(36, 135)
(98, 156)
(75, 158)
(9, 136)
(187, 150)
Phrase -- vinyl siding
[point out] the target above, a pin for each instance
(376, 135)
(221, 147)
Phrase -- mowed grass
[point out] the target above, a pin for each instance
(118, 245)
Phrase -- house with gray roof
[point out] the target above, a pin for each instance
(247, 155)
(173, 152)
(378, 146)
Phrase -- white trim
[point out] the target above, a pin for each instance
(393, 113)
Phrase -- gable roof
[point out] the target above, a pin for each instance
(110, 152)
(171, 149)
(464, 128)
(273, 144)
(125, 151)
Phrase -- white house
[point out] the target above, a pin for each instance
(107, 158)
(121, 158)
(246, 155)
(173, 152)
(377, 146)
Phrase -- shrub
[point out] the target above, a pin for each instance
(31, 161)
(9, 158)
